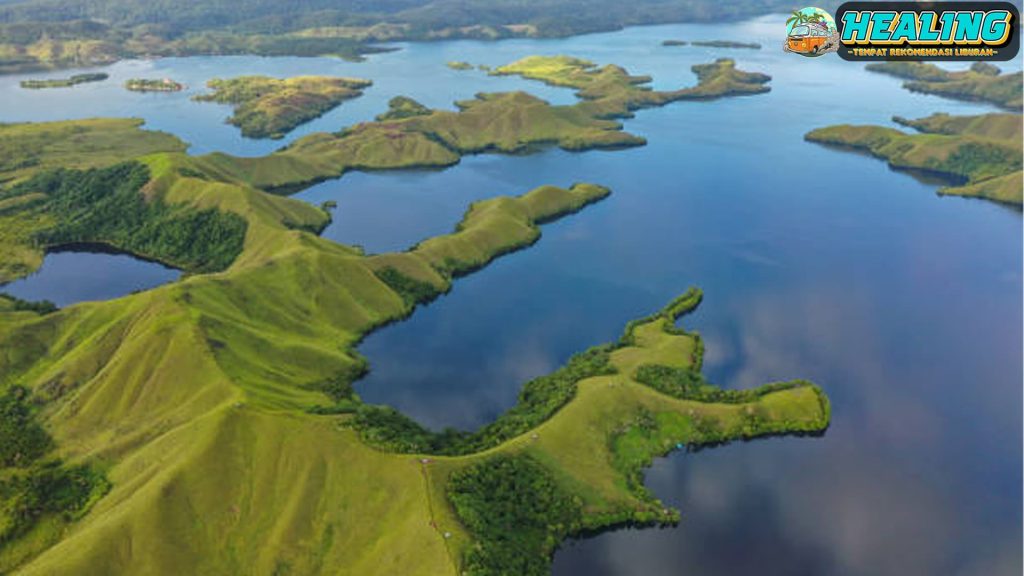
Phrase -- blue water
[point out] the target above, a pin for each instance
(820, 264)
(72, 276)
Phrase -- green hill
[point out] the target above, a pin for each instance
(271, 107)
(982, 82)
(985, 151)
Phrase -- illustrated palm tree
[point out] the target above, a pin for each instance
(798, 18)
(816, 18)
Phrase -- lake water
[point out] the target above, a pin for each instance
(83, 274)
(904, 306)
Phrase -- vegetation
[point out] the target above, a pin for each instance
(982, 82)
(106, 206)
(460, 65)
(270, 107)
(517, 512)
(22, 439)
(32, 489)
(64, 82)
(674, 43)
(401, 107)
(149, 85)
(984, 152)
(13, 304)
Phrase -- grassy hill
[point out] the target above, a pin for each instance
(271, 107)
(985, 151)
(982, 82)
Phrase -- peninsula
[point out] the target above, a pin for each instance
(982, 152)
(270, 107)
(983, 82)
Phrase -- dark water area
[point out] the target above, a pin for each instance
(816, 263)
(81, 273)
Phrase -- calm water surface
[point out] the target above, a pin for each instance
(816, 264)
(70, 276)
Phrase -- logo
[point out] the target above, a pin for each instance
(928, 30)
(811, 32)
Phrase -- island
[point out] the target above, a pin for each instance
(64, 82)
(981, 153)
(674, 43)
(151, 85)
(982, 82)
(143, 412)
(271, 108)
(459, 65)
(726, 44)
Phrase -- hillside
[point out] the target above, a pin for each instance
(271, 107)
(982, 82)
(984, 151)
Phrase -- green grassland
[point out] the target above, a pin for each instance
(982, 82)
(210, 425)
(984, 151)
(270, 107)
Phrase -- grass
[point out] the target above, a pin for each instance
(270, 108)
(982, 82)
(984, 151)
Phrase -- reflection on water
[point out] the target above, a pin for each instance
(815, 263)
(86, 273)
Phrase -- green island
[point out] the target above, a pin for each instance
(64, 82)
(459, 65)
(982, 82)
(270, 107)
(984, 151)
(133, 418)
(39, 35)
(712, 44)
(151, 85)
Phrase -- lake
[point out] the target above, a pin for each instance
(84, 273)
(820, 264)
